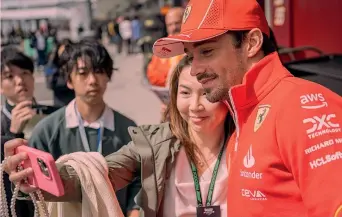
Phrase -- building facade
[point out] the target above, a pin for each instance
(29, 15)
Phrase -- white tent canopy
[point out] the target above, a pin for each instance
(36, 13)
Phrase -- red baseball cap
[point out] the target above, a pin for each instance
(206, 19)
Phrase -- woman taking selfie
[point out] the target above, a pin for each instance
(182, 163)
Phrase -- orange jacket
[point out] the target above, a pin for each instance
(158, 69)
(285, 158)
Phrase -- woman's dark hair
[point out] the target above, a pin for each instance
(13, 56)
(267, 45)
(184, 62)
(179, 126)
(94, 54)
(274, 40)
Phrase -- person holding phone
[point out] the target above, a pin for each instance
(17, 86)
(87, 123)
(182, 163)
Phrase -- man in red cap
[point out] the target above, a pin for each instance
(285, 157)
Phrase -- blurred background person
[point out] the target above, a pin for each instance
(136, 32)
(125, 28)
(117, 36)
(28, 49)
(55, 79)
(159, 69)
(39, 42)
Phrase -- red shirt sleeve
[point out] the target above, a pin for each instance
(309, 133)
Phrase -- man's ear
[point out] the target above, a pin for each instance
(69, 84)
(254, 40)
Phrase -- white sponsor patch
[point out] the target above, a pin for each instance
(321, 125)
(313, 101)
(325, 160)
(253, 194)
(249, 160)
(250, 175)
(319, 146)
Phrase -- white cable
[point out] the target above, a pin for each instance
(3, 203)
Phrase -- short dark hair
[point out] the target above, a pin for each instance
(267, 45)
(13, 56)
(99, 58)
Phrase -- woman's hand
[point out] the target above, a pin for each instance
(13, 161)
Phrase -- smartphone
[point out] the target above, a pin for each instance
(45, 173)
(41, 107)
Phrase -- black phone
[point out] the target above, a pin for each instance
(39, 107)
(36, 106)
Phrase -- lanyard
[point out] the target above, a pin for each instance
(212, 182)
(6, 112)
(84, 139)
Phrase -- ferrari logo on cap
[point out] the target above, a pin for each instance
(166, 49)
(261, 116)
(186, 13)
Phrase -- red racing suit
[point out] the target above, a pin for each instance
(285, 158)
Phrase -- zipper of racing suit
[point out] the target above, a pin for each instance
(235, 118)
(236, 121)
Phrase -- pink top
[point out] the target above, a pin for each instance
(180, 196)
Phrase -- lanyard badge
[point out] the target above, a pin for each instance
(208, 209)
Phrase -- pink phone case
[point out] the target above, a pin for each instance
(45, 176)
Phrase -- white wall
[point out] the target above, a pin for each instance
(34, 3)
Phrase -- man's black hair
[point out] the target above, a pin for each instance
(267, 45)
(96, 56)
(13, 56)
(273, 39)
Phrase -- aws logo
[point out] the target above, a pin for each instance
(313, 101)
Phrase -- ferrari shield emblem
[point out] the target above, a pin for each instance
(186, 13)
(261, 116)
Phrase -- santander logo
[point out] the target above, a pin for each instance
(249, 160)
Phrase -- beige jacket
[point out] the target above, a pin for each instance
(99, 199)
